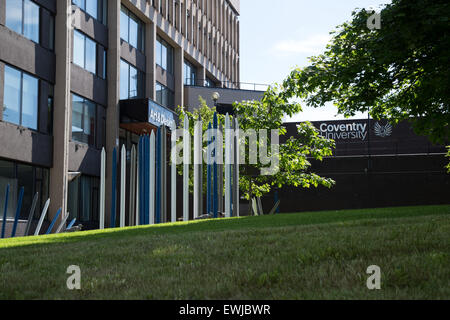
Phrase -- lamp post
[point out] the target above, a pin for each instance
(215, 97)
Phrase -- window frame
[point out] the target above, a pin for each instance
(140, 41)
(21, 99)
(94, 133)
(22, 20)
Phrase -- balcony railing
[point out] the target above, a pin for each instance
(226, 84)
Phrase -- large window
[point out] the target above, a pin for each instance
(131, 29)
(83, 200)
(131, 81)
(190, 74)
(84, 52)
(95, 8)
(83, 120)
(22, 16)
(16, 175)
(20, 98)
(164, 96)
(164, 55)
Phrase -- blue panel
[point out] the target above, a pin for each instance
(114, 187)
(5, 211)
(71, 223)
(146, 179)
(19, 207)
(53, 222)
(158, 177)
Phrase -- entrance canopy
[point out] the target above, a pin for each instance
(141, 116)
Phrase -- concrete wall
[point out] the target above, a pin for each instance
(21, 144)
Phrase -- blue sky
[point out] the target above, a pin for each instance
(277, 36)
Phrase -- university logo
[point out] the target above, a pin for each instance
(383, 131)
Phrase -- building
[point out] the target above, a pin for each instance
(79, 75)
(374, 165)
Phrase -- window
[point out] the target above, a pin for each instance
(84, 52)
(22, 16)
(35, 179)
(83, 120)
(164, 55)
(164, 96)
(20, 98)
(131, 81)
(209, 83)
(190, 74)
(83, 199)
(131, 29)
(95, 8)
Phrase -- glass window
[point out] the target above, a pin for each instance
(83, 120)
(30, 102)
(78, 48)
(92, 8)
(164, 96)
(164, 55)
(124, 23)
(134, 32)
(22, 16)
(84, 52)
(20, 98)
(12, 95)
(14, 15)
(131, 81)
(91, 55)
(190, 73)
(131, 29)
(124, 76)
(31, 21)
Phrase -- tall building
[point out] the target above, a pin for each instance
(79, 75)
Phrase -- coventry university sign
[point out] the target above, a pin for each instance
(343, 131)
(356, 130)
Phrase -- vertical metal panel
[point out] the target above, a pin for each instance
(198, 130)
(41, 219)
(132, 204)
(186, 160)
(18, 208)
(31, 214)
(123, 167)
(163, 160)
(114, 189)
(102, 189)
(215, 172)
(228, 146)
(53, 221)
(173, 183)
(157, 177)
(152, 177)
(208, 173)
(5, 211)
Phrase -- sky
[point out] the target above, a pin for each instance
(277, 36)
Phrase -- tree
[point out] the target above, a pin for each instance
(294, 155)
(398, 72)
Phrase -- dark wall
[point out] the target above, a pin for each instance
(400, 169)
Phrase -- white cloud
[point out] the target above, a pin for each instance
(311, 45)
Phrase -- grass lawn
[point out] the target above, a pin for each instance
(320, 255)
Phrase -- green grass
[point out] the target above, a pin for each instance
(313, 255)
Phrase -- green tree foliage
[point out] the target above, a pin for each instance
(294, 155)
(398, 72)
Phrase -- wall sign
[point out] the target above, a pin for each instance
(158, 115)
(343, 131)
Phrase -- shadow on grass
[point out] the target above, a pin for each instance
(215, 225)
